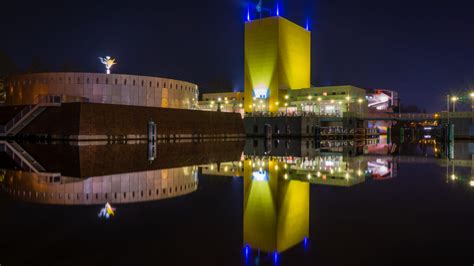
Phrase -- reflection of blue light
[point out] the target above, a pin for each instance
(305, 243)
(260, 175)
(275, 257)
(246, 251)
(278, 10)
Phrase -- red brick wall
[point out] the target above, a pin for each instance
(113, 120)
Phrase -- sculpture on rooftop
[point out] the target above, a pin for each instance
(108, 62)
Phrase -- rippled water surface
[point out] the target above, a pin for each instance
(254, 202)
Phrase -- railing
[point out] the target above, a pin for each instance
(40, 100)
(292, 114)
(407, 116)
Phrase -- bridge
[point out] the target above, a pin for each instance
(415, 117)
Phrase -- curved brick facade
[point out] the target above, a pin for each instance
(103, 88)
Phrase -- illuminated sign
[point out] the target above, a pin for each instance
(261, 93)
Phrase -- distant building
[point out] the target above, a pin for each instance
(223, 101)
(382, 100)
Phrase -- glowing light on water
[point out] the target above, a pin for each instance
(107, 211)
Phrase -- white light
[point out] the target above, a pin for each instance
(471, 183)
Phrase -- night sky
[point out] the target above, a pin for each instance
(421, 48)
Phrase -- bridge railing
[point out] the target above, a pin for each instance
(406, 116)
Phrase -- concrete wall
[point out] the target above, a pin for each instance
(102, 88)
(85, 121)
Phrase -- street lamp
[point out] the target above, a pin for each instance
(472, 100)
(348, 99)
(454, 99)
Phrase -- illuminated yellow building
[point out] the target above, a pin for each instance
(277, 59)
(276, 210)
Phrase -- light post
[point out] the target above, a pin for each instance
(348, 99)
(319, 105)
(454, 99)
(360, 104)
(472, 101)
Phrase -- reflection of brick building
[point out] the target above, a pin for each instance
(2, 90)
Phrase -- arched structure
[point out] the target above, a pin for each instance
(101, 88)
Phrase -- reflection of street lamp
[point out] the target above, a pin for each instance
(360, 104)
(454, 99)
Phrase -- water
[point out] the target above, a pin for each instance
(285, 202)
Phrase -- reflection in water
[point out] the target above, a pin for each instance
(276, 177)
(276, 210)
(107, 211)
(118, 188)
(119, 173)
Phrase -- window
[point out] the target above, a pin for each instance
(116, 81)
(97, 81)
(158, 84)
(78, 80)
(87, 80)
(150, 83)
(107, 81)
(133, 82)
(125, 82)
(143, 83)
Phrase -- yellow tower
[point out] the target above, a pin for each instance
(276, 211)
(277, 58)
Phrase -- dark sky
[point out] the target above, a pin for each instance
(421, 48)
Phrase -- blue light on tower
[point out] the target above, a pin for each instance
(278, 10)
(248, 13)
(307, 24)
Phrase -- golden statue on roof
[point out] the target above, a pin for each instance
(108, 62)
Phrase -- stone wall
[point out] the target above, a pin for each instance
(90, 121)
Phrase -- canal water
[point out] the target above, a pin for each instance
(253, 202)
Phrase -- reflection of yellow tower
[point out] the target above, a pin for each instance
(277, 58)
(276, 211)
